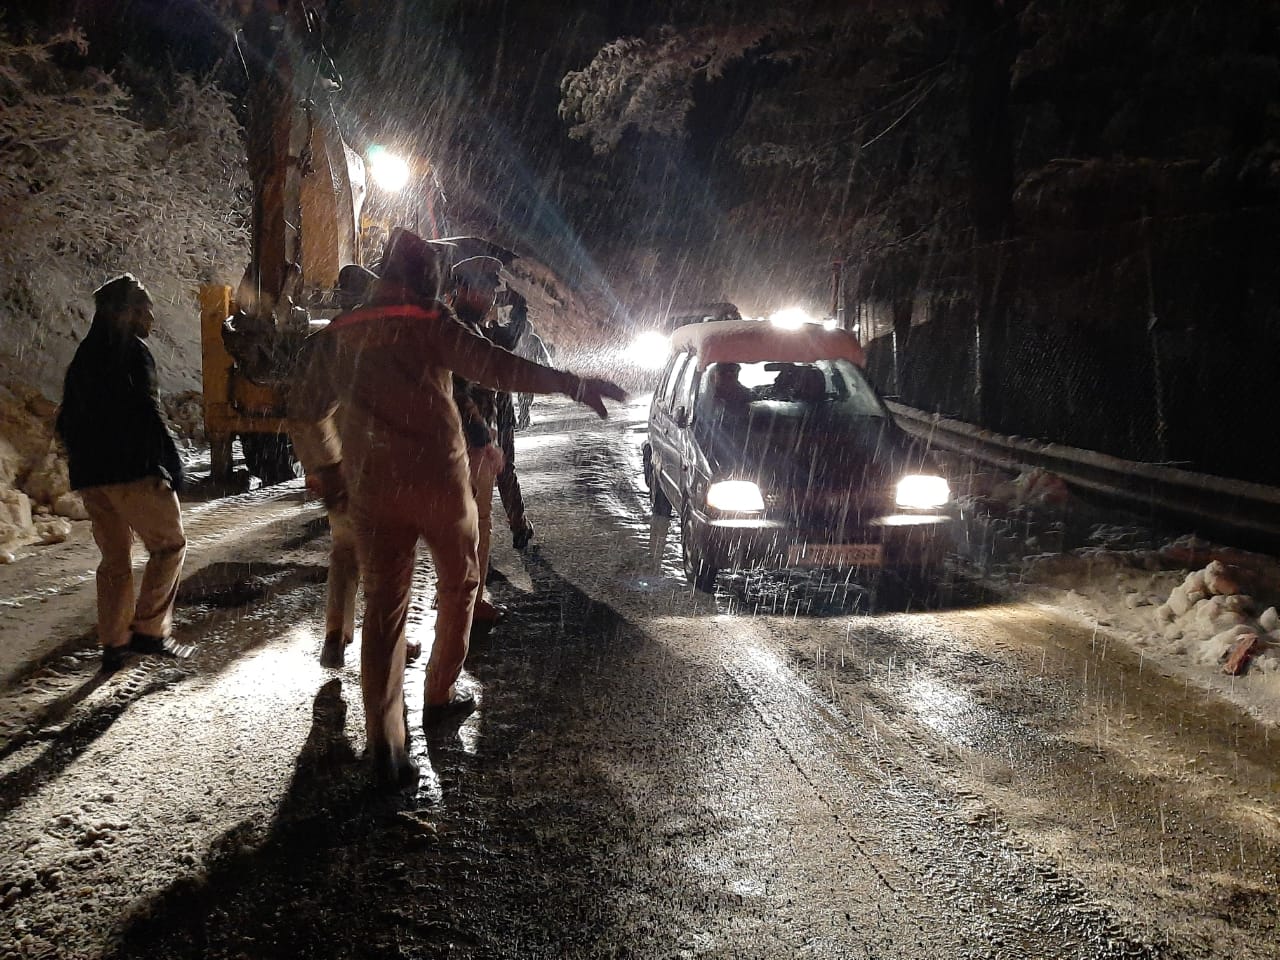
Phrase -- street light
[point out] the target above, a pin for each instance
(388, 170)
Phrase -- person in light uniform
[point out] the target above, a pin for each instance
(376, 425)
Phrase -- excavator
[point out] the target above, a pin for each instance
(309, 193)
(308, 223)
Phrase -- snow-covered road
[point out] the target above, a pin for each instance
(652, 773)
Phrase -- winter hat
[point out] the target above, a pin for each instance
(477, 272)
(413, 263)
(110, 302)
(355, 279)
(114, 296)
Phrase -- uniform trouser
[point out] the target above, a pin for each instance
(508, 482)
(482, 481)
(389, 521)
(344, 576)
(149, 508)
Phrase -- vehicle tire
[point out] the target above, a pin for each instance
(269, 457)
(659, 505)
(700, 573)
(658, 502)
(912, 588)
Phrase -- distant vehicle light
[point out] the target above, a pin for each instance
(790, 318)
(908, 520)
(735, 496)
(649, 350)
(921, 492)
(388, 170)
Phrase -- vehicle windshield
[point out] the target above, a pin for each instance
(774, 415)
(756, 393)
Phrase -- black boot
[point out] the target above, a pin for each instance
(113, 658)
(391, 770)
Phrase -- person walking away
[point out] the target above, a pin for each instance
(376, 403)
(124, 462)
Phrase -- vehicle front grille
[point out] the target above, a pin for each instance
(817, 509)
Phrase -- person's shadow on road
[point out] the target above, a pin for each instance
(499, 861)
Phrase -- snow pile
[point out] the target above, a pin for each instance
(1208, 612)
(35, 491)
(1216, 608)
(106, 193)
(1032, 488)
(36, 499)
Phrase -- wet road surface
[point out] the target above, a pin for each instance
(771, 772)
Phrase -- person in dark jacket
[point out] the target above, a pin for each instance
(476, 283)
(125, 464)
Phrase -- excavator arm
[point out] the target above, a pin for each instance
(308, 187)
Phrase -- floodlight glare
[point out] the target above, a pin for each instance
(923, 491)
(649, 350)
(790, 318)
(389, 171)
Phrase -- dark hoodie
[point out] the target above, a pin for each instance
(110, 419)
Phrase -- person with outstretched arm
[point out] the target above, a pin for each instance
(376, 426)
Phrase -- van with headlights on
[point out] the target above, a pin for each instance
(773, 449)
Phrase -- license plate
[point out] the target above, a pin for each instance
(836, 554)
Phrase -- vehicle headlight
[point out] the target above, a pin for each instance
(920, 492)
(735, 496)
(649, 350)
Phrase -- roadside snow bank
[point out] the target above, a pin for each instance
(1207, 611)
(36, 501)
(1213, 610)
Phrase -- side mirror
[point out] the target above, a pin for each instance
(682, 417)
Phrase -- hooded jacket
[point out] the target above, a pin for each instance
(110, 419)
(376, 394)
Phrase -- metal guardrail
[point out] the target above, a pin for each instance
(1215, 504)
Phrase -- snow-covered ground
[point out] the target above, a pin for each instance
(1183, 603)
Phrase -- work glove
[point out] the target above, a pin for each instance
(592, 391)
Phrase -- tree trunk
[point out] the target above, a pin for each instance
(990, 45)
(902, 310)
